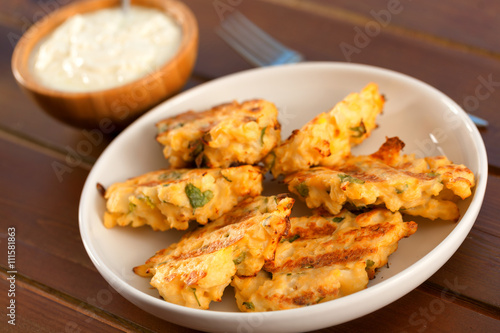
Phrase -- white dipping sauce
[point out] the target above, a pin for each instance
(105, 49)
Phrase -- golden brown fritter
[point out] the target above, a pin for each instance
(167, 199)
(226, 135)
(275, 262)
(313, 264)
(196, 270)
(416, 186)
(327, 139)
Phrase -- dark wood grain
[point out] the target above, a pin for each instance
(470, 23)
(30, 316)
(49, 249)
(451, 45)
(478, 258)
(421, 312)
(458, 73)
(47, 230)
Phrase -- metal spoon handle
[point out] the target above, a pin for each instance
(125, 6)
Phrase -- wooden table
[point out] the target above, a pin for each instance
(452, 45)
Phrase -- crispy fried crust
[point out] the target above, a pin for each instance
(226, 135)
(313, 266)
(195, 271)
(167, 199)
(327, 139)
(400, 182)
(370, 235)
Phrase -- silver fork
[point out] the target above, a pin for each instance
(260, 49)
(253, 44)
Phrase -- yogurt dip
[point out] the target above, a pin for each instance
(105, 49)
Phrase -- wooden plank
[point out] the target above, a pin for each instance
(421, 312)
(33, 310)
(478, 258)
(81, 285)
(49, 249)
(432, 313)
(464, 76)
(410, 313)
(47, 231)
(460, 21)
(468, 78)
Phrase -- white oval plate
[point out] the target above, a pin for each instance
(428, 122)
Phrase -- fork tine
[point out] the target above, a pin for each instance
(240, 48)
(248, 39)
(249, 26)
(253, 43)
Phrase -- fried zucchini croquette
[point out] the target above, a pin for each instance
(197, 269)
(226, 135)
(168, 199)
(327, 139)
(417, 186)
(314, 264)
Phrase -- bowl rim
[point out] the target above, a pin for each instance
(29, 41)
(414, 275)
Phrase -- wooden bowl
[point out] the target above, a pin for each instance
(115, 107)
